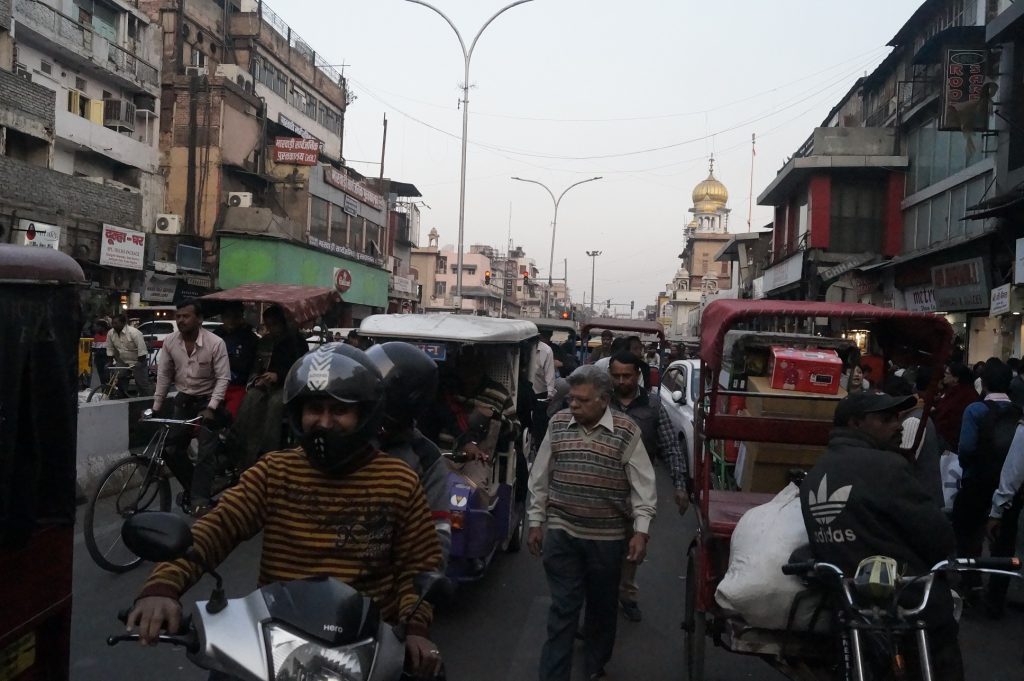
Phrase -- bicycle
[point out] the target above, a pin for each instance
(112, 389)
(136, 484)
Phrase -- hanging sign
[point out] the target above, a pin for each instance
(120, 247)
(966, 96)
(38, 234)
(296, 151)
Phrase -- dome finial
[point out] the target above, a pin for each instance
(711, 164)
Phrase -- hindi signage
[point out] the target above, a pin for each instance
(38, 234)
(961, 285)
(340, 180)
(345, 251)
(351, 206)
(120, 247)
(965, 93)
(296, 151)
(787, 272)
(402, 284)
(159, 288)
(999, 301)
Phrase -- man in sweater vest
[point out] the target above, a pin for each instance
(592, 486)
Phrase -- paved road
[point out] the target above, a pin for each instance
(494, 629)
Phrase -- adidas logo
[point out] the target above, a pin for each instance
(826, 508)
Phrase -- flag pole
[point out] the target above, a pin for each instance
(750, 196)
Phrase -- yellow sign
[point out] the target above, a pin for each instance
(18, 657)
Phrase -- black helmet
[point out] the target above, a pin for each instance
(410, 379)
(346, 377)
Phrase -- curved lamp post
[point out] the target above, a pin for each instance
(554, 226)
(467, 56)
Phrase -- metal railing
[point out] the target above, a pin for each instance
(296, 42)
(80, 38)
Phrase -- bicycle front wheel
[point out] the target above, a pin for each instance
(126, 487)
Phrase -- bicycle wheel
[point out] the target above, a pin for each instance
(97, 394)
(127, 487)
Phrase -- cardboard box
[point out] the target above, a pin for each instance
(766, 465)
(812, 406)
(811, 371)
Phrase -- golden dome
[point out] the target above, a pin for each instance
(710, 195)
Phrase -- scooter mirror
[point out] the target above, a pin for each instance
(157, 536)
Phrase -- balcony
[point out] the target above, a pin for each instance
(62, 36)
(119, 114)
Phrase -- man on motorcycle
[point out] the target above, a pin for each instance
(410, 384)
(336, 507)
(862, 499)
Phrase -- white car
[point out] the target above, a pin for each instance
(679, 392)
(155, 331)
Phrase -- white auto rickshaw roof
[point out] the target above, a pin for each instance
(443, 326)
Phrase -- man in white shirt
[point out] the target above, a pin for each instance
(127, 347)
(543, 382)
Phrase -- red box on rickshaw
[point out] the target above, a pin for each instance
(811, 371)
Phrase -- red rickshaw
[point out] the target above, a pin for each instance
(903, 337)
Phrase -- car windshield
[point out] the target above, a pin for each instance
(695, 385)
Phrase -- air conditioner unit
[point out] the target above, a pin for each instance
(197, 71)
(168, 224)
(240, 199)
(119, 114)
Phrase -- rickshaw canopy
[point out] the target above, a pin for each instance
(634, 326)
(301, 303)
(24, 264)
(553, 323)
(928, 333)
(443, 326)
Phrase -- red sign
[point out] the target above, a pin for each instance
(296, 151)
(342, 280)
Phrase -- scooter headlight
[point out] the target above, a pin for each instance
(294, 658)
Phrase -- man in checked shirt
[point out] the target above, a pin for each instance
(660, 441)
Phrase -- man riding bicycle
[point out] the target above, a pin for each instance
(196, 362)
(336, 506)
(862, 499)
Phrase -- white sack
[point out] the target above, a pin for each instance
(950, 474)
(754, 586)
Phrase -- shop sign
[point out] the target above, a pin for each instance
(296, 151)
(865, 284)
(159, 288)
(38, 234)
(999, 302)
(345, 251)
(340, 180)
(120, 247)
(295, 127)
(787, 272)
(961, 285)
(351, 206)
(919, 298)
(965, 93)
(342, 279)
(1018, 266)
(402, 284)
(842, 268)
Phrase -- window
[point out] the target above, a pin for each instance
(372, 242)
(269, 75)
(107, 95)
(46, 67)
(856, 219)
(198, 58)
(440, 288)
(318, 218)
(355, 236)
(339, 226)
(133, 27)
(442, 265)
(22, 71)
(80, 84)
(669, 381)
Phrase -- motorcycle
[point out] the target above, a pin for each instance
(317, 628)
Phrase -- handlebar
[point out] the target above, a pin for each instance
(185, 635)
(148, 417)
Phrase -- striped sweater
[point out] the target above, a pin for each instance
(370, 529)
(591, 483)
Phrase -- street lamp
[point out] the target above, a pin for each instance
(593, 264)
(467, 55)
(554, 226)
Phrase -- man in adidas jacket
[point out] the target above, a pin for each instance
(862, 499)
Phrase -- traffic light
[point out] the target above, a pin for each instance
(487, 277)
(526, 278)
(565, 315)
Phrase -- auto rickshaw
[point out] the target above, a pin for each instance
(783, 429)
(39, 367)
(490, 517)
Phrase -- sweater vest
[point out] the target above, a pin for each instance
(588, 490)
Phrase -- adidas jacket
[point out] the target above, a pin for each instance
(860, 500)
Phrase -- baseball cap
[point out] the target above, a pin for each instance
(870, 402)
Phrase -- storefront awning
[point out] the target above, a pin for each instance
(960, 36)
(997, 206)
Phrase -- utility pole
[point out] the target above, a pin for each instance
(593, 264)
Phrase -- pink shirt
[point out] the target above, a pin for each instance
(206, 371)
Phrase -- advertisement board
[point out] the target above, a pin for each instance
(296, 151)
(961, 285)
(340, 180)
(920, 298)
(999, 301)
(38, 234)
(965, 93)
(124, 248)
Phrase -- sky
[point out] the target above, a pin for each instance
(640, 93)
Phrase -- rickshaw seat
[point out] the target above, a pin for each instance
(726, 507)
